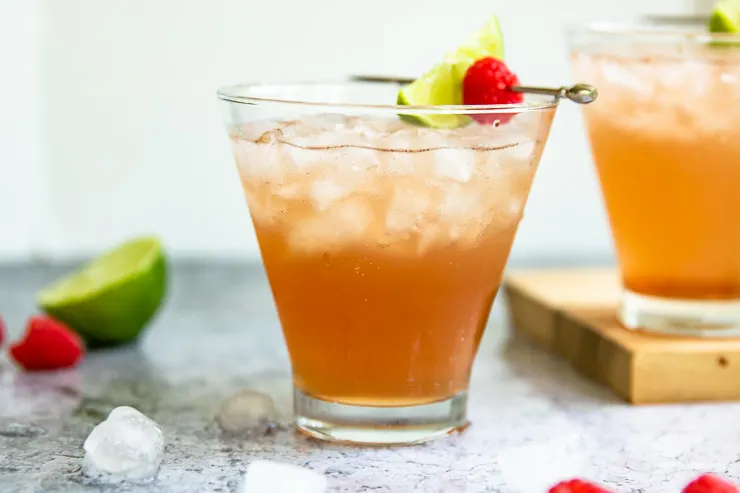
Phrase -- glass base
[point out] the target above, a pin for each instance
(680, 317)
(364, 425)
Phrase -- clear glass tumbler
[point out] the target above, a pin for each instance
(664, 136)
(384, 238)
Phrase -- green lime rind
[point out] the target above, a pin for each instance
(111, 300)
(487, 41)
(442, 85)
(725, 19)
(429, 120)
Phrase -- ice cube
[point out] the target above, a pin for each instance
(460, 206)
(343, 223)
(464, 214)
(302, 160)
(527, 125)
(323, 131)
(125, 412)
(431, 235)
(519, 154)
(620, 74)
(424, 138)
(535, 468)
(257, 162)
(400, 163)
(728, 78)
(454, 164)
(261, 207)
(127, 446)
(325, 192)
(407, 209)
(394, 142)
(357, 158)
(247, 411)
(515, 207)
(311, 130)
(276, 477)
(323, 122)
(296, 128)
(291, 191)
(255, 131)
(491, 167)
(379, 127)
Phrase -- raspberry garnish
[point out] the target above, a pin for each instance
(488, 81)
(577, 486)
(47, 345)
(2, 331)
(708, 483)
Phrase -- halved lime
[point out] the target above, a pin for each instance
(442, 85)
(110, 300)
(725, 17)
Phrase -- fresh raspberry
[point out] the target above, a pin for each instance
(47, 345)
(487, 82)
(577, 486)
(708, 483)
(2, 331)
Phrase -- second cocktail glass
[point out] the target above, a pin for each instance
(384, 240)
(664, 135)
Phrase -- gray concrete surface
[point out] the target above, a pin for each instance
(532, 416)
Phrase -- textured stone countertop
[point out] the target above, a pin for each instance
(531, 414)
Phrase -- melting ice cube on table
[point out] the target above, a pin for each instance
(247, 411)
(535, 467)
(276, 477)
(127, 446)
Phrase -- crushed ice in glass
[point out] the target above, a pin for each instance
(276, 477)
(127, 446)
(247, 411)
(328, 181)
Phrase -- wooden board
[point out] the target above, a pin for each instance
(573, 314)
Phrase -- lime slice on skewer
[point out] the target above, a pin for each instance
(110, 300)
(725, 17)
(438, 86)
(442, 85)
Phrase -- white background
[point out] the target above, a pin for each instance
(109, 125)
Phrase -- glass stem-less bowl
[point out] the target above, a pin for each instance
(664, 140)
(384, 238)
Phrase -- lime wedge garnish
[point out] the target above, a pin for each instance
(442, 85)
(725, 17)
(438, 86)
(110, 300)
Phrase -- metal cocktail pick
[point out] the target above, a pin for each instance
(578, 93)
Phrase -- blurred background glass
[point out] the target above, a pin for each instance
(110, 127)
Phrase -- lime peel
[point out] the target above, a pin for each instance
(725, 17)
(442, 85)
(111, 299)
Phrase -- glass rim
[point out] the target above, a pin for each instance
(686, 28)
(235, 94)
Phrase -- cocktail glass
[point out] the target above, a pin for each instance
(384, 239)
(664, 135)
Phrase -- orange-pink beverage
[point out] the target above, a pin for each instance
(384, 242)
(384, 262)
(664, 135)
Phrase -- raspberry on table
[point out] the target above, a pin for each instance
(47, 345)
(577, 486)
(488, 81)
(709, 483)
